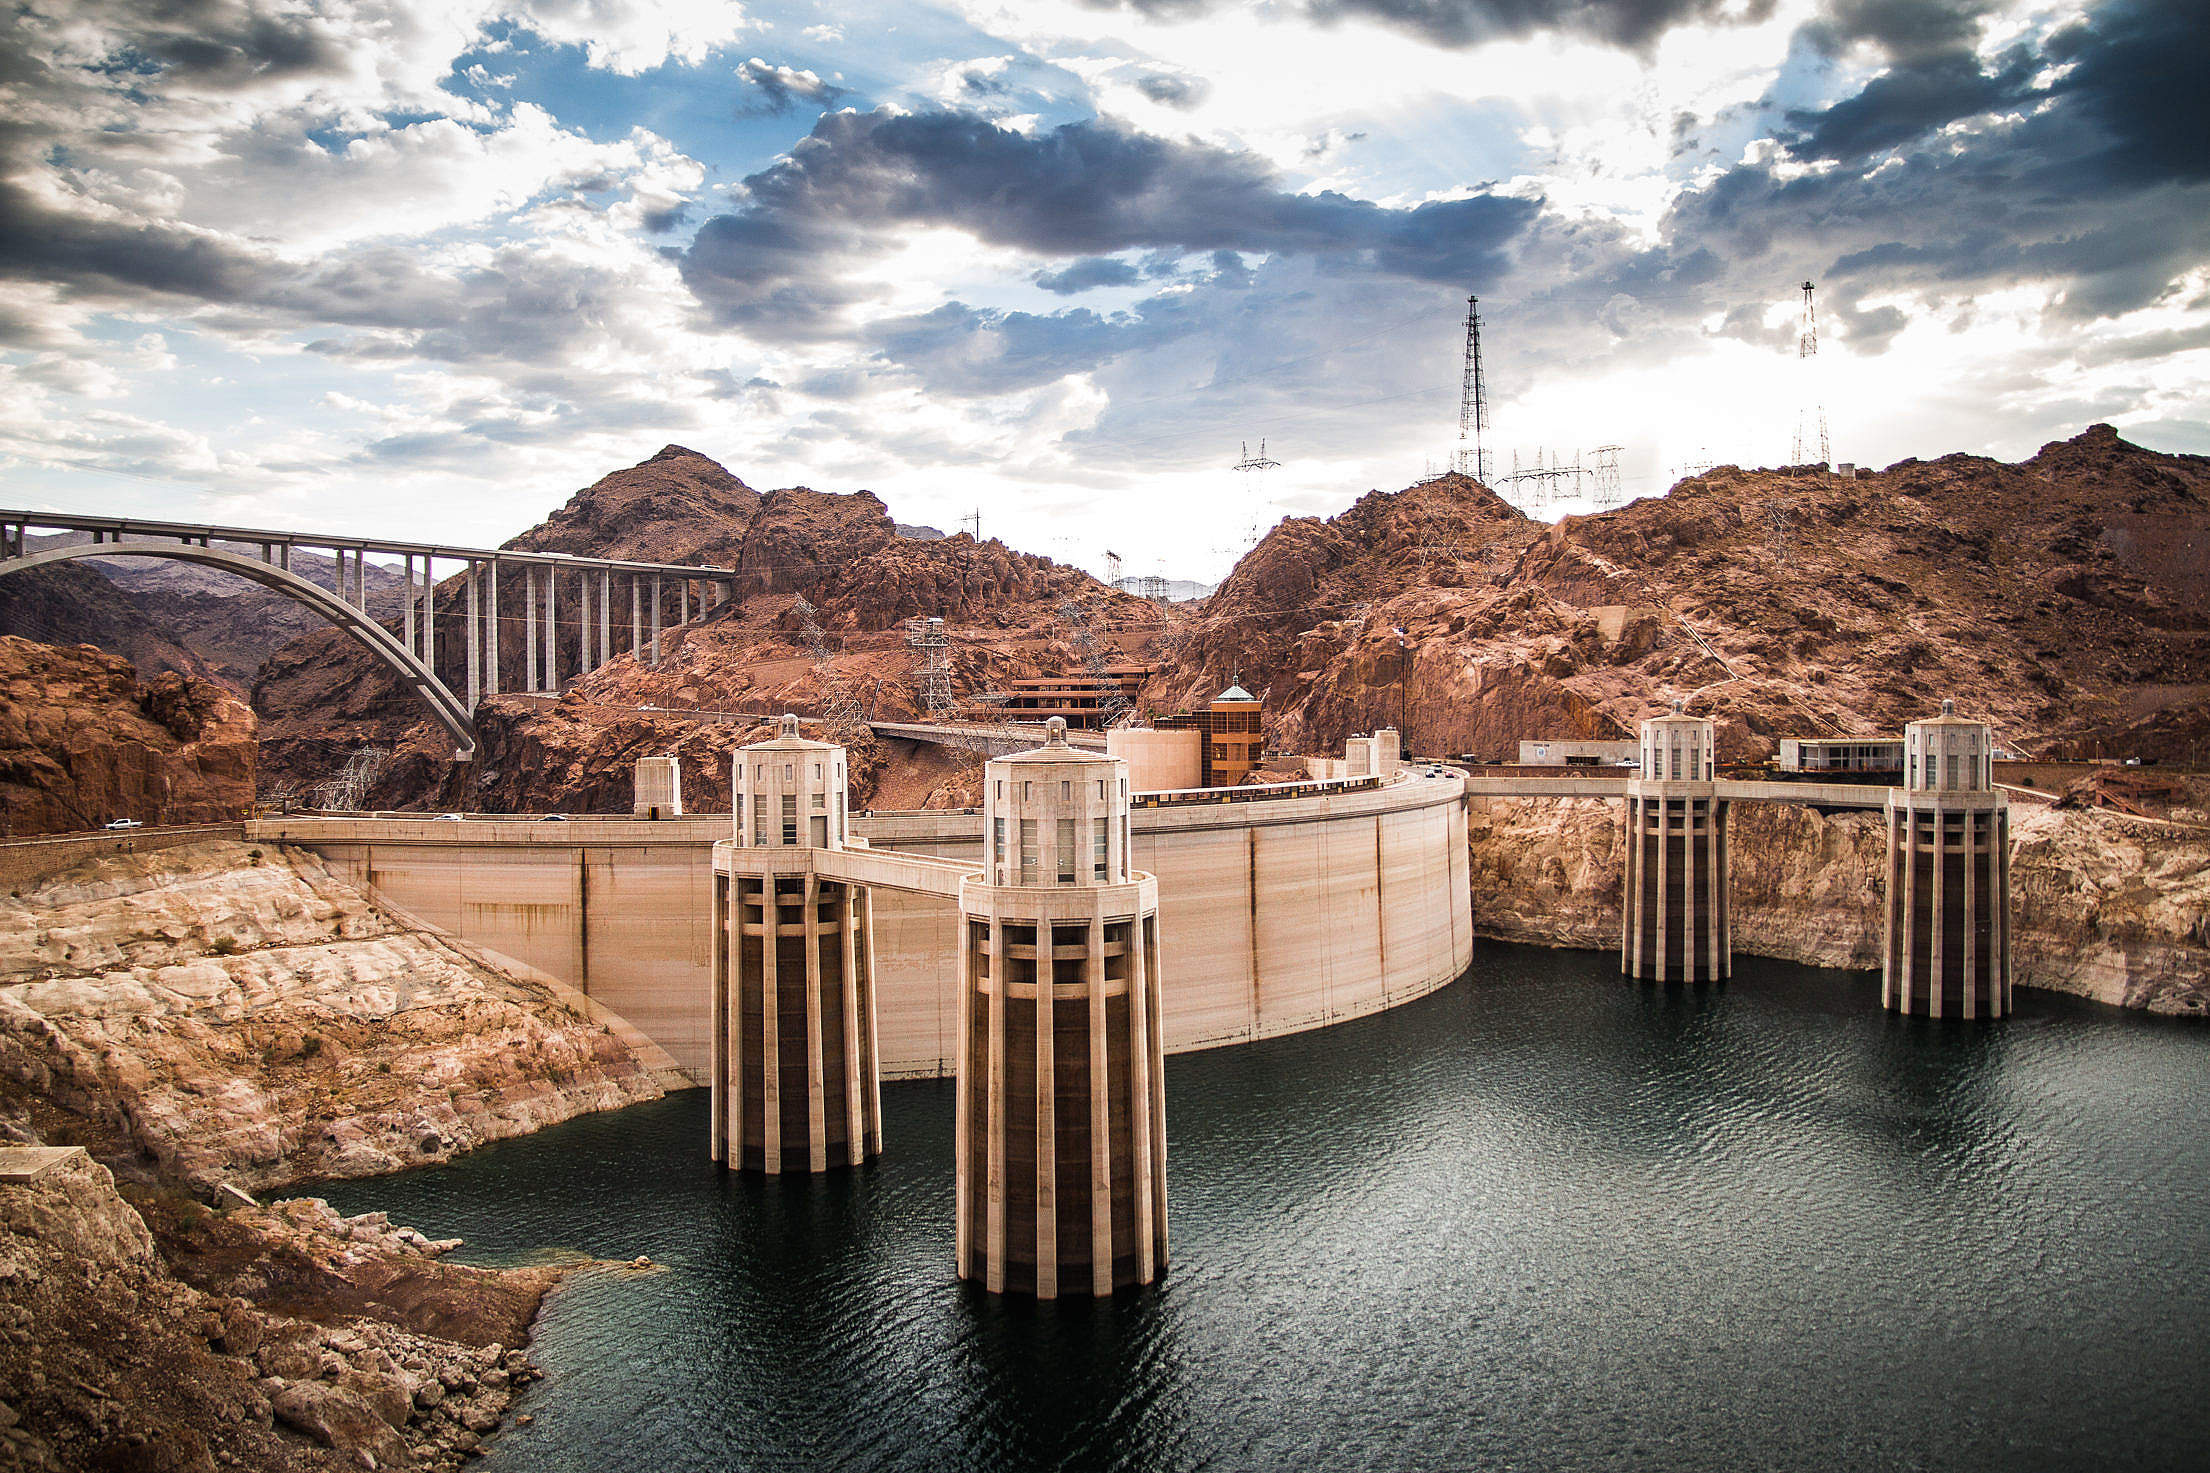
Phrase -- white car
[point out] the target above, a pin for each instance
(126, 823)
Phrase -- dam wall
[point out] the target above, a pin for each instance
(1274, 915)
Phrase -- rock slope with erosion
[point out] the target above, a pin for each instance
(2064, 598)
(150, 1333)
(83, 741)
(2104, 906)
(227, 1013)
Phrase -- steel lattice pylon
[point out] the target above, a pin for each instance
(839, 709)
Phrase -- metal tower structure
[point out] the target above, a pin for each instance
(1811, 417)
(1257, 462)
(928, 638)
(838, 708)
(1609, 492)
(1112, 706)
(1473, 402)
(971, 524)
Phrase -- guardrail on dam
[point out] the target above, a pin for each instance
(1277, 916)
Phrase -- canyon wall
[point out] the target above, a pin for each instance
(2105, 907)
(84, 741)
(227, 1012)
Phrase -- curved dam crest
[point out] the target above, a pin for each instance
(1275, 916)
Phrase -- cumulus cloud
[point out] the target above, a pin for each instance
(1636, 24)
(1088, 273)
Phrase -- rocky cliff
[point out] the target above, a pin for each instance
(226, 1013)
(84, 741)
(2063, 598)
(284, 1338)
(2104, 906)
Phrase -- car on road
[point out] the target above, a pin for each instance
(554, 818)
(443, 817)
(126, 823)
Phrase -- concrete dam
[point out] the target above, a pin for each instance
(1276, 912)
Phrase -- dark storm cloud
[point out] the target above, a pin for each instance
(1636, 24)
(1170, 90)
(2137, 71)
(782, 88)
(1905, 30)
(1083, 189)
(1907, 102)
(217, 44)
(1087, 273)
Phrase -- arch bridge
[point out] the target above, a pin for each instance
(411, 650)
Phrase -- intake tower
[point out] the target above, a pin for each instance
(1946, 951)
(1674, 926)
(1061, 1117)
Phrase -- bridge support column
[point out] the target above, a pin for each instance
(1059, 1005)
(636, 619)
(529, 623)
(656, 621)
(552, 627)
(475, 639)
(429, 612)
(796, 1077)
(1945, 950)
(1674, 922)
(407, 595)
(682, 601)
(491, 630)
(606, 618)
(583, 623)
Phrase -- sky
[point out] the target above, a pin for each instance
(425, 267)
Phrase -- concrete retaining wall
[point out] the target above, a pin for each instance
(1274, 916)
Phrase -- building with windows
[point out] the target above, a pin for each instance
(1233, 739)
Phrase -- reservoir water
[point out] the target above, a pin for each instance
(1542, 1219)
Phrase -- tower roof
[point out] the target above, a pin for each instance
(1948, 717)
(1055, 749)
(787, 739)
(1235, 693)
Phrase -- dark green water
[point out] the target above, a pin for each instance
(1542, 1219)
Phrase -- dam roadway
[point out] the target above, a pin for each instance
(1276, 915)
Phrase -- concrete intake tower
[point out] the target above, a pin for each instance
(796, 1083)
(1946, 951)
(1061, 1120)
(1674, 925)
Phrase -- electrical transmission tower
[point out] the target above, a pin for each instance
(1473, 402)
(1112, 705)
(1608, 493)
(1811, 417)
(1541, 484)
(935, 671)
(1112, 569)
(1257, 462)
(971, 524)
(838, 708)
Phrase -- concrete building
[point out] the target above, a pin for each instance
(1060, 1121)
(659, 788)
(1881, 756)
(1946, 949)
(1159, 761)
(1076, 699)
(1231, 725)
(1574, 752)
(795, 1074)
(1674, 925)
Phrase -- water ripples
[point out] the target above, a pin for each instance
(1542, 1219)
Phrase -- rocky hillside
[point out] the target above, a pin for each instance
(75, 603)
(219, 1013)
(2064, 598)
(2107, 907)
(148, 1332)
(84, 741)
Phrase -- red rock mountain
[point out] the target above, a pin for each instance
(84, 741)
(2065, 598)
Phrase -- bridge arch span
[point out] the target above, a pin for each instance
(451, 712)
